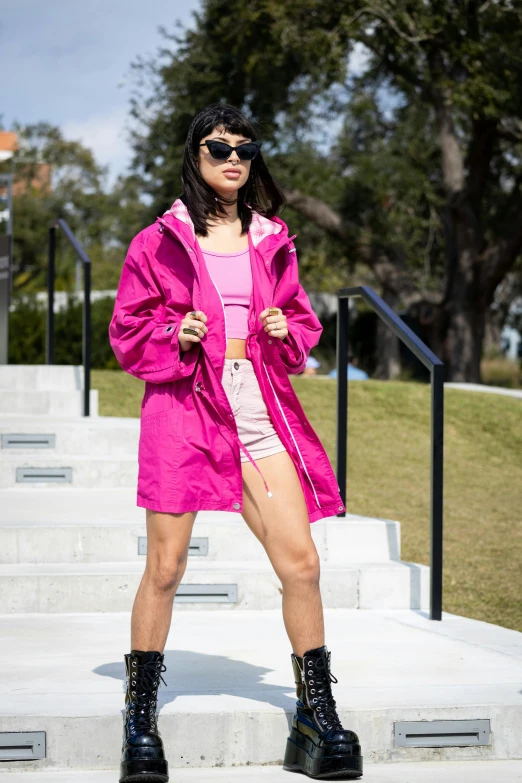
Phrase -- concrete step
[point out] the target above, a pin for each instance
(77, 470)
(82, 530)
(92, 435)
(52, 505)
(105, 587)
(44, 402)
(40, 377)
(505, 771)
(230, 692)
(336, 541)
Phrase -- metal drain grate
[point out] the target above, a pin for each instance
(56, 475)
(197, 546)
(25, 440)
(206, 593)
(441, 733)
(22, 745)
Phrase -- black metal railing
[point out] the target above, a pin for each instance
(436, 367)
(86, 324)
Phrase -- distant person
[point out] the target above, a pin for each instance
(210, 314)
(311, 366)
(354, 373)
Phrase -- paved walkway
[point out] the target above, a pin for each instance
(424, 772)
(230, 692)
(480, 387)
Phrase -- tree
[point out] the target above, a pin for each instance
(103, 222)
(454, 70)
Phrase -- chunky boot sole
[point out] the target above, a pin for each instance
(144, 771)
(302, 755)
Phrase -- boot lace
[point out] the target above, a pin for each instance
(323, 700)
(144, 698)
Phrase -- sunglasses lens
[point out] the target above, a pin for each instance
(219, 150)
(222, 151)
(247, 151)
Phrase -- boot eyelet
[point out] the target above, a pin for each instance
(314, 700)
(311, 682)
(312, 690)
(310, 672)
(329, 726)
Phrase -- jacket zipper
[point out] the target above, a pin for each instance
(277, 399)
(225, 319)
(293, 438)
(282, 412)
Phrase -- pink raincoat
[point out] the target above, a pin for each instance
(189, 449)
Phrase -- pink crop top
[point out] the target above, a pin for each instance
(232, 276)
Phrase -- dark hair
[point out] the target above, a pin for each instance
(259, 192)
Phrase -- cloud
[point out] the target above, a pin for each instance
(68, 64)
(105, 135)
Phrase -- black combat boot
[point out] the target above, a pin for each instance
(318, 745)
(142, 758)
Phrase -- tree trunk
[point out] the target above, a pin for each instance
(388, 364)
(493, 332)
(463, 343)
(465, 303)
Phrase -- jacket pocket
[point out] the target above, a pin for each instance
(158, 455)
(202, 449)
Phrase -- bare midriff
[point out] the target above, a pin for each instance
(235, 348)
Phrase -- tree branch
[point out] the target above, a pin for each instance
(500, 258)
(380, 13)
(390, 274)
(320, 213)
(392, 66)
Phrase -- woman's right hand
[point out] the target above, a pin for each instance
(196, 319)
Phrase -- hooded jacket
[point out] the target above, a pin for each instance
(189, 449)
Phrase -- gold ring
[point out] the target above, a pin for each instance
(189, 330)
(273, 311)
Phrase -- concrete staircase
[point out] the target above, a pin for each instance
(73, 540)
(43, 389)
(72, 553)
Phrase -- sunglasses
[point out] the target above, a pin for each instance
(222, 151)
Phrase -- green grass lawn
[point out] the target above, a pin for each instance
(388, 476)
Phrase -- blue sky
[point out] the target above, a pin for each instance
(68, 63)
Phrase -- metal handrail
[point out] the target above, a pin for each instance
(86, 321)
(436, 367)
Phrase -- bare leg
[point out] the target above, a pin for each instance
(168, 539)
(281, 524)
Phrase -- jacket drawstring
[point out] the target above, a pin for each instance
(241, 445)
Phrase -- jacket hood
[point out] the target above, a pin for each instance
(261, 227)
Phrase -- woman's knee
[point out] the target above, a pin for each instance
(165, 567)
(168, 541)
(166, 572)
(304, 566)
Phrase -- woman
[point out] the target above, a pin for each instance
(211, 315)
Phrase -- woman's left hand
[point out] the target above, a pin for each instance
(275, 325)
